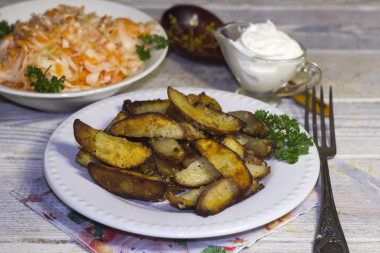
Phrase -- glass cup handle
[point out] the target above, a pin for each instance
(314, 76)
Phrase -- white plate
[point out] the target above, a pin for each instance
(66, 102)
(285, 187)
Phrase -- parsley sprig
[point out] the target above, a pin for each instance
(5, 28)
(42, 83)
(150, 42)
(291, 143)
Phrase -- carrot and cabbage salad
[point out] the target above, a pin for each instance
(88, 50)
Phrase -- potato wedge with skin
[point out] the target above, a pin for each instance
(230, 142)
(138, 107)
(227, 162)
(120, 116)
(114, 151)
(83, 158)
(127, 183)
(166, 169)
(263, 148)
(204, 99)
(203, 117)
(198, 173)
(217, 197)
(255, 188)
(257, 167)
(149, 124)
(253, 127)
(186, 200)
(191, 132)
(167, 149)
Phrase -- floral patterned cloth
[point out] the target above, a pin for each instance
(98, 238)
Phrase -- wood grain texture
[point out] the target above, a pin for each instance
(342, 36)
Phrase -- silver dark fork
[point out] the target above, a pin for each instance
(329, 236)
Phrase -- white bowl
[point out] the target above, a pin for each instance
(71, 101)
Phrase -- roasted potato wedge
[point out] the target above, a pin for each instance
(150, 124)
(186, 200)
(255, 187)
(120, 116)
(83, 158)
(167, 149)
(263, 148)
(230, 142)
(198, 173)
(138, 107)
(218, 196)
(227, 162)
(115, 151)
(257, 167)
(165, 168)
(128, 184)
(205, 118)
(204, 99)
(191, 132)
(253, 127)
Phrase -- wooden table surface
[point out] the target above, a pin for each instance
(342, 36)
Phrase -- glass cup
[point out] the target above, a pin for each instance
(261, 78)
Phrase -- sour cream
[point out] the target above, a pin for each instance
(264, 40)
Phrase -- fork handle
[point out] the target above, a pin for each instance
(329, 236)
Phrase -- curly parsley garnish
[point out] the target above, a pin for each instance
(42, 84)
(5, 28)
(150, 42)
(291, 143)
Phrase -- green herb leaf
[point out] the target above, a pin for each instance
(291, 143)
(42, 84)
(150, 42)
(5, 28)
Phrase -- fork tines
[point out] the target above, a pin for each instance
(329, 150)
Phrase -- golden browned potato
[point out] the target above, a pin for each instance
(150, 124)
(204, 99)
(186, 200)
(166, 169)
(253, 127)
(205, 118)
(256, 187)
(257, 167)
(120, 116)
(209, 101)
(230, 142)
(167, 149)
(115, 151)
(84, 158)
(191, 132)
(227, 162)
(218, 196)
(199, 172)
(263, 148)
(138, 107)
(127, 183)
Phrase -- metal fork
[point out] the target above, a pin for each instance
(329, 236)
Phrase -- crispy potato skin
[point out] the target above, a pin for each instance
(167, 149)
(138, 107)
(115, 151)
(84, 158)
(254, 127)
(217, 197)
(128, 184)
(262, 148)
(204, 117)
(199, 172)
(227, 162)
(150, 124)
